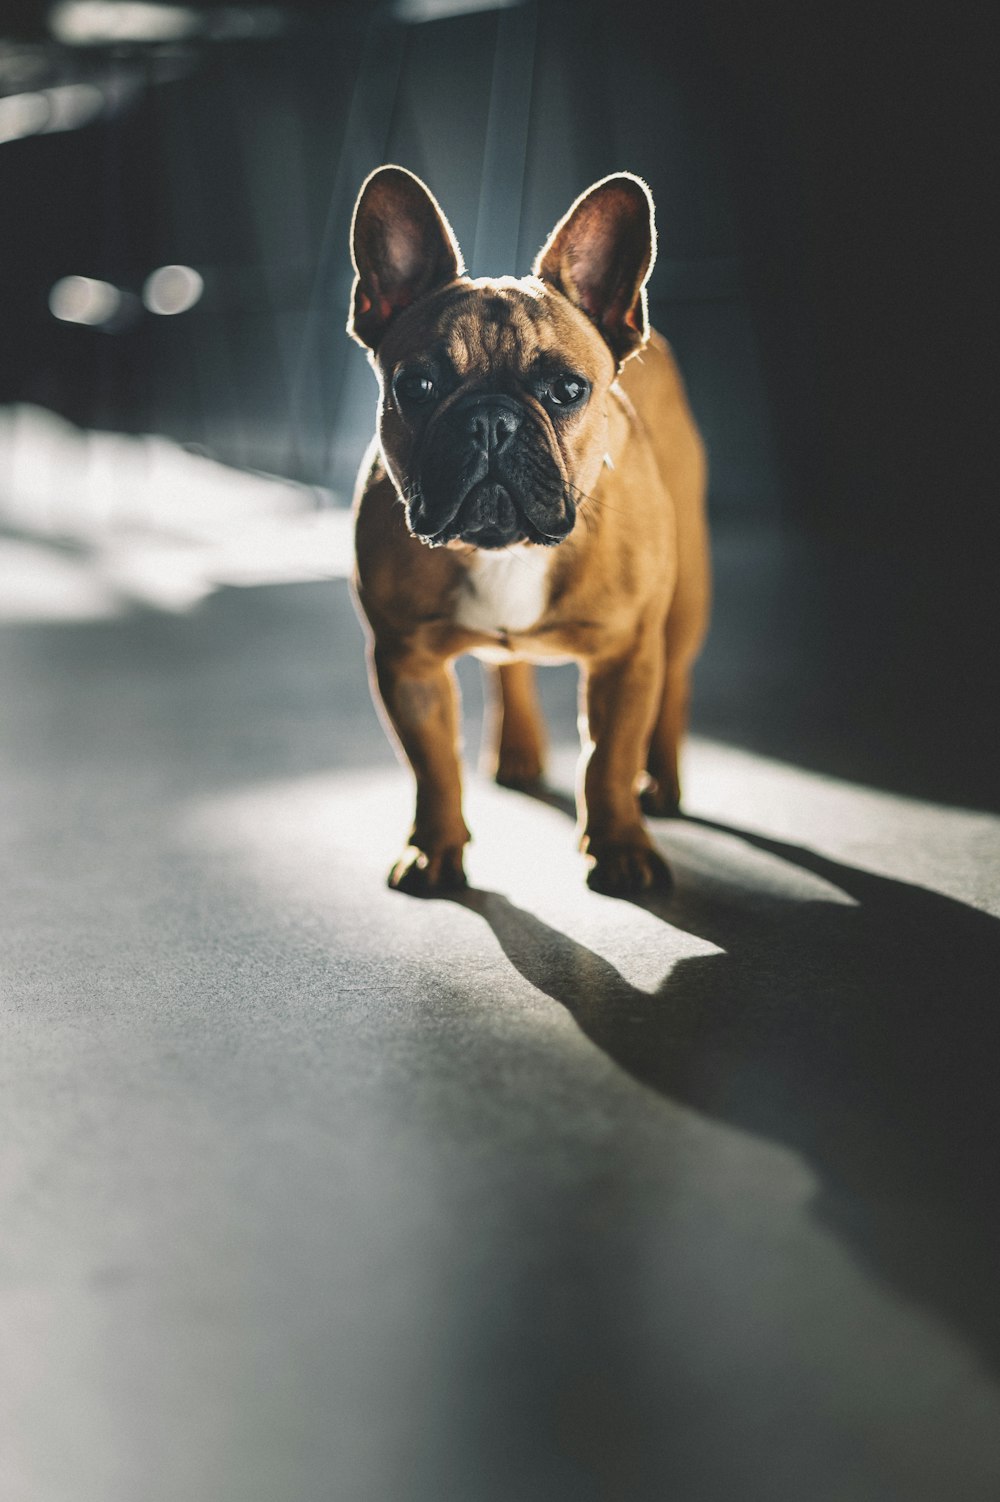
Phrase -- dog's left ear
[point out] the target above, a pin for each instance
(600, 255)
(402, 247)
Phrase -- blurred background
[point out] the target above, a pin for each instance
(179, 179)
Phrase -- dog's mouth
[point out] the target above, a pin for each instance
(489, 516)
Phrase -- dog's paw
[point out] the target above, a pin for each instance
(421, 873)
(623, 870)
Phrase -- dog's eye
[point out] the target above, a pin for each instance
(414, 387)
(568, 391)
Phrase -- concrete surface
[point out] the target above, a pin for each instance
(318, 1193)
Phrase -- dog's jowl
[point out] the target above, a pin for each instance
(535, 492)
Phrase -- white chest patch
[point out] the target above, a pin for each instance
(504, 590)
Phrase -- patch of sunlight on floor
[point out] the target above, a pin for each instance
(326, 842)
(954, 851)
(39, 583)
(140, 521)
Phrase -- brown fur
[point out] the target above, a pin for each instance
(628, 588)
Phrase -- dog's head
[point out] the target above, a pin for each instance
(493, 410)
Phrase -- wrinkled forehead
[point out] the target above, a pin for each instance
(495, 325)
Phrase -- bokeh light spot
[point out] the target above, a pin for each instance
(172, 289)
(84, 299)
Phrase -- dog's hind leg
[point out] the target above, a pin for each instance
(662, 795)
(514, 739)
(684, 632)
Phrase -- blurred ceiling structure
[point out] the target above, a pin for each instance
(823, 274)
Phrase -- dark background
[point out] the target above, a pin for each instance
(824, 276)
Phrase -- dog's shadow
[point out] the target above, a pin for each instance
(863, 1036)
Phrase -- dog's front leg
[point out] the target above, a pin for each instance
(621, 694)
(420, 697)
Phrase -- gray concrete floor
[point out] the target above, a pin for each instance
(313, 1191)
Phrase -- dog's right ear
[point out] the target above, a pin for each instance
(402, 247)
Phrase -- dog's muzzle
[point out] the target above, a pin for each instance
(489, 481)
(488, 514)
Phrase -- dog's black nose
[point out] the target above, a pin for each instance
(491, 422)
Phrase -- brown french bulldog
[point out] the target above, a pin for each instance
(535, 492)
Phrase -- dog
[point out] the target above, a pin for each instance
(534, 493)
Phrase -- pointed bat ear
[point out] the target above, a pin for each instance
(402, 247)
(600, 255)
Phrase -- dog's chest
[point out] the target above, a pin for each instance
(504, 591)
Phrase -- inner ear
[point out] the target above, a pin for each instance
(402, 247)
(600, 255)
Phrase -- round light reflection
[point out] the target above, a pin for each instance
(83, 299)
(172, 289)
